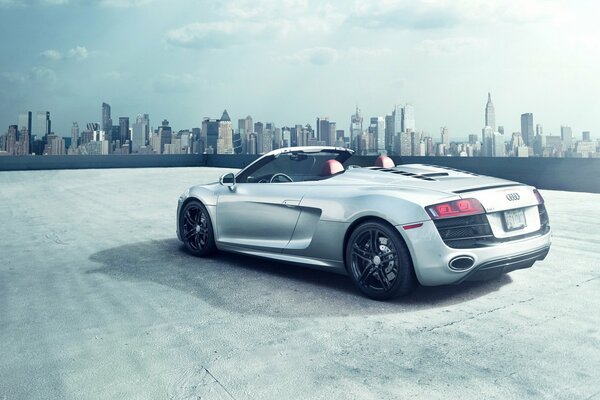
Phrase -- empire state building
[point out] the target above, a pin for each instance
(490, 114)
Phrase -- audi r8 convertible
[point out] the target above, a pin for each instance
(388, 227)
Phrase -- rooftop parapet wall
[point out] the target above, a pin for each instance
(569, 174)
(106, 161)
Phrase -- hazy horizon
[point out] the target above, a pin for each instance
(292, 61)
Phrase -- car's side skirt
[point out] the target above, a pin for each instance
(316, 263)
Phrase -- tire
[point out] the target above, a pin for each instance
(383, 270)
(195, 228)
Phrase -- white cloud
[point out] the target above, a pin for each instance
(42, 74)
(51, 54)
(76, 53)
(243, 21)
(437, 14)
(212, 34)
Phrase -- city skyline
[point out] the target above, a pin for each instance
(295, 60)
(393, 134)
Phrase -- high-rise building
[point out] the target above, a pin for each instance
(225, 135)
(210, 133)
(43, 125)
(389, 132)
(107, 123)
(586, 136)
(499, 145)
(324, 131)
(377, 130)
(24, 122)
(356, 129)
(408, 118)
(165, 133)
(487, 142)
(539, 130)
(445, 136)
(566, 134)
(74, 136)
(11, 140)
(397, 114)
(138, 134)
(527, 128)
(123, 130)
(490, 114)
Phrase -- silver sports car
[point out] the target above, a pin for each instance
(388, 227)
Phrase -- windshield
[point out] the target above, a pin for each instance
(299, 166)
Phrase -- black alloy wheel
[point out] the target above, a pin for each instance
(196, 230)
(379, 261)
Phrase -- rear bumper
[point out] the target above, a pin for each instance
(431, 256)
(493, 269)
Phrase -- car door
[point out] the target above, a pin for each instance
(260, 216)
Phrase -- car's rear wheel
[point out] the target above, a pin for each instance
(196, 230)
(379, 262)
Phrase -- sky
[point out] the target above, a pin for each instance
(291, 61)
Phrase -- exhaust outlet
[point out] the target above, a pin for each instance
(461, 263)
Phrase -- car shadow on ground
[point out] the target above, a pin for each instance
(246, 285)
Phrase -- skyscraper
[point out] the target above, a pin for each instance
(24, 122)
(43, 125)
(490, 114)
(377, 129)
(138, 134)
(123, 130)
(356, 128)
(445, 136)
(585, 136)
(74, 135)
(566, 135)
(225, 136)
(324, 131)
(408, 118)
(487, 142)
(397, 116)
(527, 128)
(106, 119)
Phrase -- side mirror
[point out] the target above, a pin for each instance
(228, 180)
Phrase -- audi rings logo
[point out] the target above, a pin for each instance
(513, 196)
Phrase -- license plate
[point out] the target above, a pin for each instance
(514, 219)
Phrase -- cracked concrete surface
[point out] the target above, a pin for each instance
(98, 300)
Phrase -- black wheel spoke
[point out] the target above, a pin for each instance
(361, 254)
(366, 273)
(374, 242)
(383, 279)
(189, 233)
(188, 218)
(358, 250)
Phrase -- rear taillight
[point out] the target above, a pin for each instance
(456, 208)
(538, 196)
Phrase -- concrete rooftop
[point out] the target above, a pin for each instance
(98, 300)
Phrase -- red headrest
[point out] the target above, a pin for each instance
(332, 167)
(384, 162)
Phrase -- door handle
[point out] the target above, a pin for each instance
(291, 203)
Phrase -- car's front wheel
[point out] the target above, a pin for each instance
(379, 262)
(196, 230)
